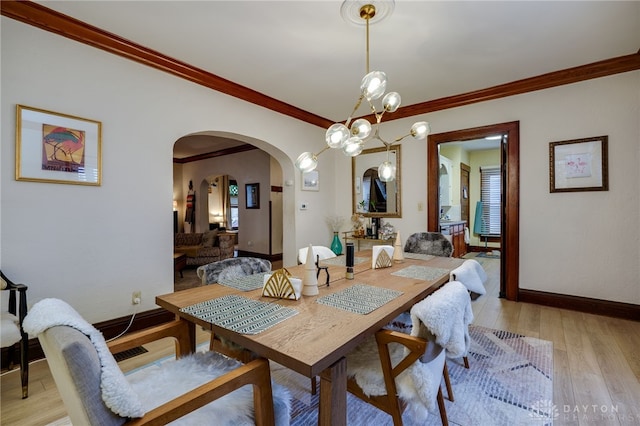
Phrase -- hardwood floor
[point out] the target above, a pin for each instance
(596, 363)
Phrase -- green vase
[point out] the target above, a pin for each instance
(336, 245)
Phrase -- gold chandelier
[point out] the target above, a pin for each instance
(351, 140)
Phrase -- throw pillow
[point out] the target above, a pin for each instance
(209, 238)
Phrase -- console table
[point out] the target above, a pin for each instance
(348, 236)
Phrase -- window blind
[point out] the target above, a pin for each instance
(490, 188)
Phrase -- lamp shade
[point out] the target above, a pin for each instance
(373, 85)
(337, 135)
(307, 161)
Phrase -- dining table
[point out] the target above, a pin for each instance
(313, 335)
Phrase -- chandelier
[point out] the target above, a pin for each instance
(350, 137)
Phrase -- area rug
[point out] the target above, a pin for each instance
(489, 255)
(509, 382)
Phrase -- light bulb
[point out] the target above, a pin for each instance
(420, 130)
(337, 135)
(353, 147)
(373, 85)
(391, 101)
(307, 161)
(387, 171)
(361, 128)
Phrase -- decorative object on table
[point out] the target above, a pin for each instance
(310, 280)
(579, 165)
(386, 230)
(282, 285)
(335, 223)
(381, 256)
(320, 269)
(350, 261)
(398, 252)
(57, 148)
(357, 220)
(351, 140)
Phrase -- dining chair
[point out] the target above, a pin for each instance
(433, 243)
(472, 275)
(233, 267)
(12, 333)
(319, 253)
(96, 392)
(398, 372)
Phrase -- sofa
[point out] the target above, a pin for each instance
(204, 247)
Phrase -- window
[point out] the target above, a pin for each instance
(490, 195)
(233, 202)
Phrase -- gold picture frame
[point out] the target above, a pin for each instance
(579, 165)
(57, 148)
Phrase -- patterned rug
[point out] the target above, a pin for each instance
(509, 382)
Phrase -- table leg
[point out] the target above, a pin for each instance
(333, 395)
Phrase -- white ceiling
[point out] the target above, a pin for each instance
(303, 52)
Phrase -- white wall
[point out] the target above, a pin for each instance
(582, 243)
(93, 246)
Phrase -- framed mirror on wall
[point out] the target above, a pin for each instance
(371, 196)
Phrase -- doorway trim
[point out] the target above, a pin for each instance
(510, 240)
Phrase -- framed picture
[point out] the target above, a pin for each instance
(310, 181)
(252, 191)
(57, 148)
(579, 165)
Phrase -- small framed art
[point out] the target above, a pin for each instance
(310, 181)
(579, 165)
(57, 148)
(252, 191)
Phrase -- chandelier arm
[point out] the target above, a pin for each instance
(348, 120)
(322, 150)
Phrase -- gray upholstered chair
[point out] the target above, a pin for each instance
(433, 243)
(96, 392)
(11, 331)
(211, 273)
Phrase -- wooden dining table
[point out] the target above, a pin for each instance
(315, 341)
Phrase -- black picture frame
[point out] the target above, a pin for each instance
(252, 195)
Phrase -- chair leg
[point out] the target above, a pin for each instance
(314, 386)
(441, 407)
(466, 361)
(24, 365)
(447, 382)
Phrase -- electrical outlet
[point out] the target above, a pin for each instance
(136, 297)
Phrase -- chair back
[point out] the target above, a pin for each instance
(321, 251)
(233, 267)
(433, 243)
(75, 367)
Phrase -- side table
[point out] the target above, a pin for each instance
(179, 262)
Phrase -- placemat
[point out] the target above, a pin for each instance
(239, 314)
(426, 273)
(244, 283)
(359, 298)
(342, 261)
(418, 256)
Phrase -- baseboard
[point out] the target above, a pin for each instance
(109, 329)
(582, 304)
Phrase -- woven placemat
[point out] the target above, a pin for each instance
(240, 314)
(426, 273)
(418, 256)
(359, 298)
(244, 283)
(342, 261)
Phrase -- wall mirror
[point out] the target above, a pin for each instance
(371, 196)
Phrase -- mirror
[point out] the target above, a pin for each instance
(371, 196)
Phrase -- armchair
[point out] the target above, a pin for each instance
(11, 331)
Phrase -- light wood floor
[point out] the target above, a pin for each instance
(596, 363)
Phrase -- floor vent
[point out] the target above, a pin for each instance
(121, 356)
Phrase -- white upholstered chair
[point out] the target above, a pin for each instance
(96, 392)
(319, 252)
(12, 334)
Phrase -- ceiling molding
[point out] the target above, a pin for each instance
(66, 26)
(219, 153)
